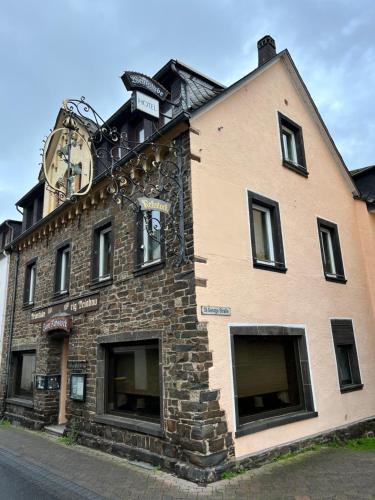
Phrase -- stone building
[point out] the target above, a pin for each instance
(9, 230)
(259, 340)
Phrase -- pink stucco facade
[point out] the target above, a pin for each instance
(239, 148)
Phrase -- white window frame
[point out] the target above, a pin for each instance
(286, 131)
(32, 283)
(101, 274)
(146, 239)
(140, 130)
(63, 270)
(330, 251)
(267, 211)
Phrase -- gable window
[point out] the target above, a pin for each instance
(166, 113)
(346, 355)
(266, 237)
(140, 132)
(149, 247)
(23, 373)
(271, 388)
(102, 253)
(133, 384)
(30, 279)
(62, 269)
(331, 252)
(292, 145)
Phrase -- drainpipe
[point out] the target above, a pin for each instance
(11, 323)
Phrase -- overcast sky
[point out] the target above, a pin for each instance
(53, 49)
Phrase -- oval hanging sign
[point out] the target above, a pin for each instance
(138, 81)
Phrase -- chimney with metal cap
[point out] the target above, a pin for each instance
(266, 49)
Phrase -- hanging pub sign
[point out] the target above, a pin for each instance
(61, 322)
(154, 204)
(145, 103)
(137, 81)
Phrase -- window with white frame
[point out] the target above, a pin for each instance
(166, 113)
(327, 246)
(265, 229)
(62, 269)
(289, 145)
(331, 252)
(292, 145)
(149, 238)
(30, 280)
(264, 250)
(102, 253)
(140, 132)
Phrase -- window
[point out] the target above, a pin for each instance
(133, 384)
(292, 145)
(166, 113)
(62, 269)
(23, 373)
(149, 238)
(102, 253)
(266, 237)
(140, 132)
(331, 252)
(30, 279)
(271, 388)
(346, 355)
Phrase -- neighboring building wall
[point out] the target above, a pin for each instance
(366, 228)
(239, 147)
(4, 266)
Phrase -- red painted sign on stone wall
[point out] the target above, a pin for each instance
(63, 323)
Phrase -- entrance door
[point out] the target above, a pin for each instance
(64, 381)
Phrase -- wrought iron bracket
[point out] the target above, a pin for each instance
(150, 171)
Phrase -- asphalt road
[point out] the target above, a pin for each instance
(21, 480)
(35, 466)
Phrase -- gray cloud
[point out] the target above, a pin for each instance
(52, 50)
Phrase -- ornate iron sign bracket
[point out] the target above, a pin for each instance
(148, 177)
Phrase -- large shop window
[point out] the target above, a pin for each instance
(266, 237)
(30, 279)
(346, 355)
(271, 387)
(62, 269)
(331, 252)
(292, 145)
(149, 247)
(133, 384)
(102, 253)
(23, 374)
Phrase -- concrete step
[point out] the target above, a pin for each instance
(56, 430)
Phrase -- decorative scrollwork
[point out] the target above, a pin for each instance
(157, 172)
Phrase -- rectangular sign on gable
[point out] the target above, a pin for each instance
(145, 103)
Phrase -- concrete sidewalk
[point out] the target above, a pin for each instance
(76, 472)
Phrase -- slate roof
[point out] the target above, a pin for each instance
(358, 171)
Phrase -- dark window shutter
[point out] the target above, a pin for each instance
(343, 335)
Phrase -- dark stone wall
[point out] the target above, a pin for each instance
(194, 429)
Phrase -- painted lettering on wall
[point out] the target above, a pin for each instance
(74, 306)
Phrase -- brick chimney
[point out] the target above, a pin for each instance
(266, 49)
